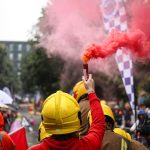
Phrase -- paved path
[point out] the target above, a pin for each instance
(32, 137)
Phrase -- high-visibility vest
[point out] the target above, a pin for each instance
(124, 145)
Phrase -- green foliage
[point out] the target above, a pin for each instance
(72, 73)
(7, 73)
(145, 84)
(40, 72)
(142, 76)
(108, 87)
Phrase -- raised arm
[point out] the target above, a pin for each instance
(93, 139)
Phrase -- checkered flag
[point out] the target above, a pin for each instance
(125, 66)
(114, 16)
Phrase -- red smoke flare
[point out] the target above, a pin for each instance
(85, 71)
(136, 42)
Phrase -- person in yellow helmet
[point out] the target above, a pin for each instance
(61, 118)
(111, 140)
(134, 145)
(81, 95)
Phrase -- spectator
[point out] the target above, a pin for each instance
(6, 142)
(127, 115)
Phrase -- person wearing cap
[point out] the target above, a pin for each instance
(134, 145)
(142, 128)
(6, 142)
(62, 119)
(81, 95)
(111, 140)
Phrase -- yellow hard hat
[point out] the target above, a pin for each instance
(128, 136)
(79, 90)
(43, 133)
(103, 102)
(123, 133)
(60, 114)
(106, 110)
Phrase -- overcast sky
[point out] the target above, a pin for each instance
(17, 18)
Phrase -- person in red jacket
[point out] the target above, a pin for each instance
(61, 118)
(6, 142)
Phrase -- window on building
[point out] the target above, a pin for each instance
(20, 47)
(28, 47)
(11, 56)
(11, 47)
(19, 56)
(18, 66)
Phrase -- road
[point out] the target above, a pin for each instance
(32, 137)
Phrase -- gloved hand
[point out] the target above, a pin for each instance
(89, 84)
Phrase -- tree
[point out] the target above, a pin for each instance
(142, 76)
(7, 72)
(40, 72)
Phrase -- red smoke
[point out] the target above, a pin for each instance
(139, 16)
(136, 42)
(68, 25)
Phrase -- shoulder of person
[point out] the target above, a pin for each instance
(112, 135)
(41, 145)
(137, 145)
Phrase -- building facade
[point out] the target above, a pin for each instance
(16, 50)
